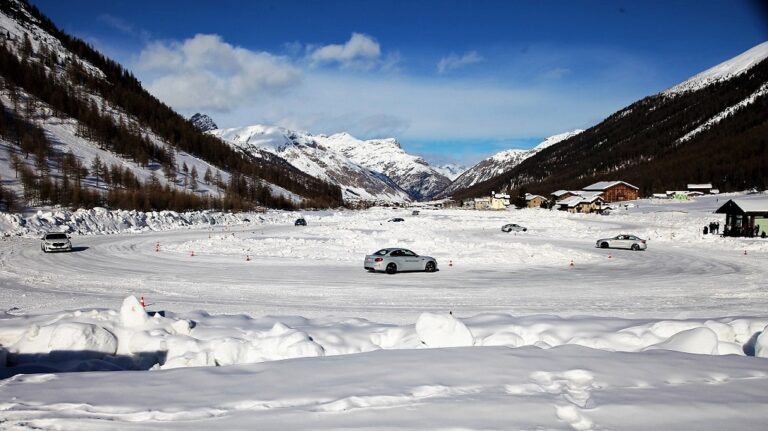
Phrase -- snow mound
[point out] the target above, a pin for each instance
(437, 330)
(698, 340)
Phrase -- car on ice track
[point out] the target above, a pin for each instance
(630, 242)
(300, 222)
(396, 220)
(55, 241)
(513, 227)
(392, 260)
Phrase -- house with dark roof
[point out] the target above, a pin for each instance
(614, 191)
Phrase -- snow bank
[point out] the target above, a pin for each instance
(103, 221)
(133, 338)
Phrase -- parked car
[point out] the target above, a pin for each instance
(392, 260)
(415, 212)
(513, 227)
(55, 241)
(395, 220)
(622, 241)
(300, 222)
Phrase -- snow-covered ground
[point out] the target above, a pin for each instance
(276, 325)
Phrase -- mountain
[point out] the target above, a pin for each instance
(501, 162)
(412, 173)
(450, 170)
(377, 170)
(77, 129)
(712, 127)
(203, 122)
(316, 156)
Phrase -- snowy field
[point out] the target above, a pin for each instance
(255, 321)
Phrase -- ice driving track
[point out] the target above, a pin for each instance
(668, 280)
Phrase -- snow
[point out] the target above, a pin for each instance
(727, 112)
(301, 337)
(723, 71)
(502, 162)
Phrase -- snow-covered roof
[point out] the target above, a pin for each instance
(700, 186)
(576, 200)
(529, 197)
(759, 205)
(561, 192)
(603, 185)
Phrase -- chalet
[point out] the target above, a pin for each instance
(704, 189)
(581, 204)
(563, 194)
(614, 191)
(534, 201)
(745, 217)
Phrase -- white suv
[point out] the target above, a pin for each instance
(55, 241)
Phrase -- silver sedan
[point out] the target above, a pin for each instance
(622, 241)
(393, 260)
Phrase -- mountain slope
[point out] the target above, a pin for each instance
(412, 173)
(73, 108)
(500, 163)
(711, 128)
(370, 170)
(311, 154)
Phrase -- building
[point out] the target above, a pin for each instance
(704, 189)
(614, 191)
(745, 217)
(482, 203)
(581, 204)
(534, 201)
(499, 201)
(563, 194)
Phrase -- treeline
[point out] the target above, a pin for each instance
(640, 144)
(66, 86)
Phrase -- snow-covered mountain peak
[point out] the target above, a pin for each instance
(554, 139)
(723, 71)
(502, 162)
(376, 169)
(203, 122)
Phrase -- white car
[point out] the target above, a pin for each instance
(392, 260)
(513, 227)
(630, 242)
(55, 241)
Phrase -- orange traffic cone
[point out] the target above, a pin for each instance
(450, 263)
(142, 302)
(745, 252)
(192, 253)
(247, 258)
(572, 263)
(157, 247)
(609, 255)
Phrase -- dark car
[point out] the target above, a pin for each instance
(300, 222)
(396, 220)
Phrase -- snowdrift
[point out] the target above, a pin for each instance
(132, 338)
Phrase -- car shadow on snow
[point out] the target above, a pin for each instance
(75, 361)
(79, 249)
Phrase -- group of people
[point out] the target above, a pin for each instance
(713, 228)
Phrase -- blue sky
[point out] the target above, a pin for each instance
(452, 80)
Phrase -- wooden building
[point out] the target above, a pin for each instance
(614, 191)
(745, 217)
(534, 201)
(581, 204)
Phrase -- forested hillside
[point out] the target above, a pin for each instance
(47, 73)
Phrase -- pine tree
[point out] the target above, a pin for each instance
(193, 179)
(96, 169)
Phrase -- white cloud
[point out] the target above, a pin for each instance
(206, 73)
(359, 52)
(454, 61)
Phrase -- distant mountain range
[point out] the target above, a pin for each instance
(711, 128)
(501, 162)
